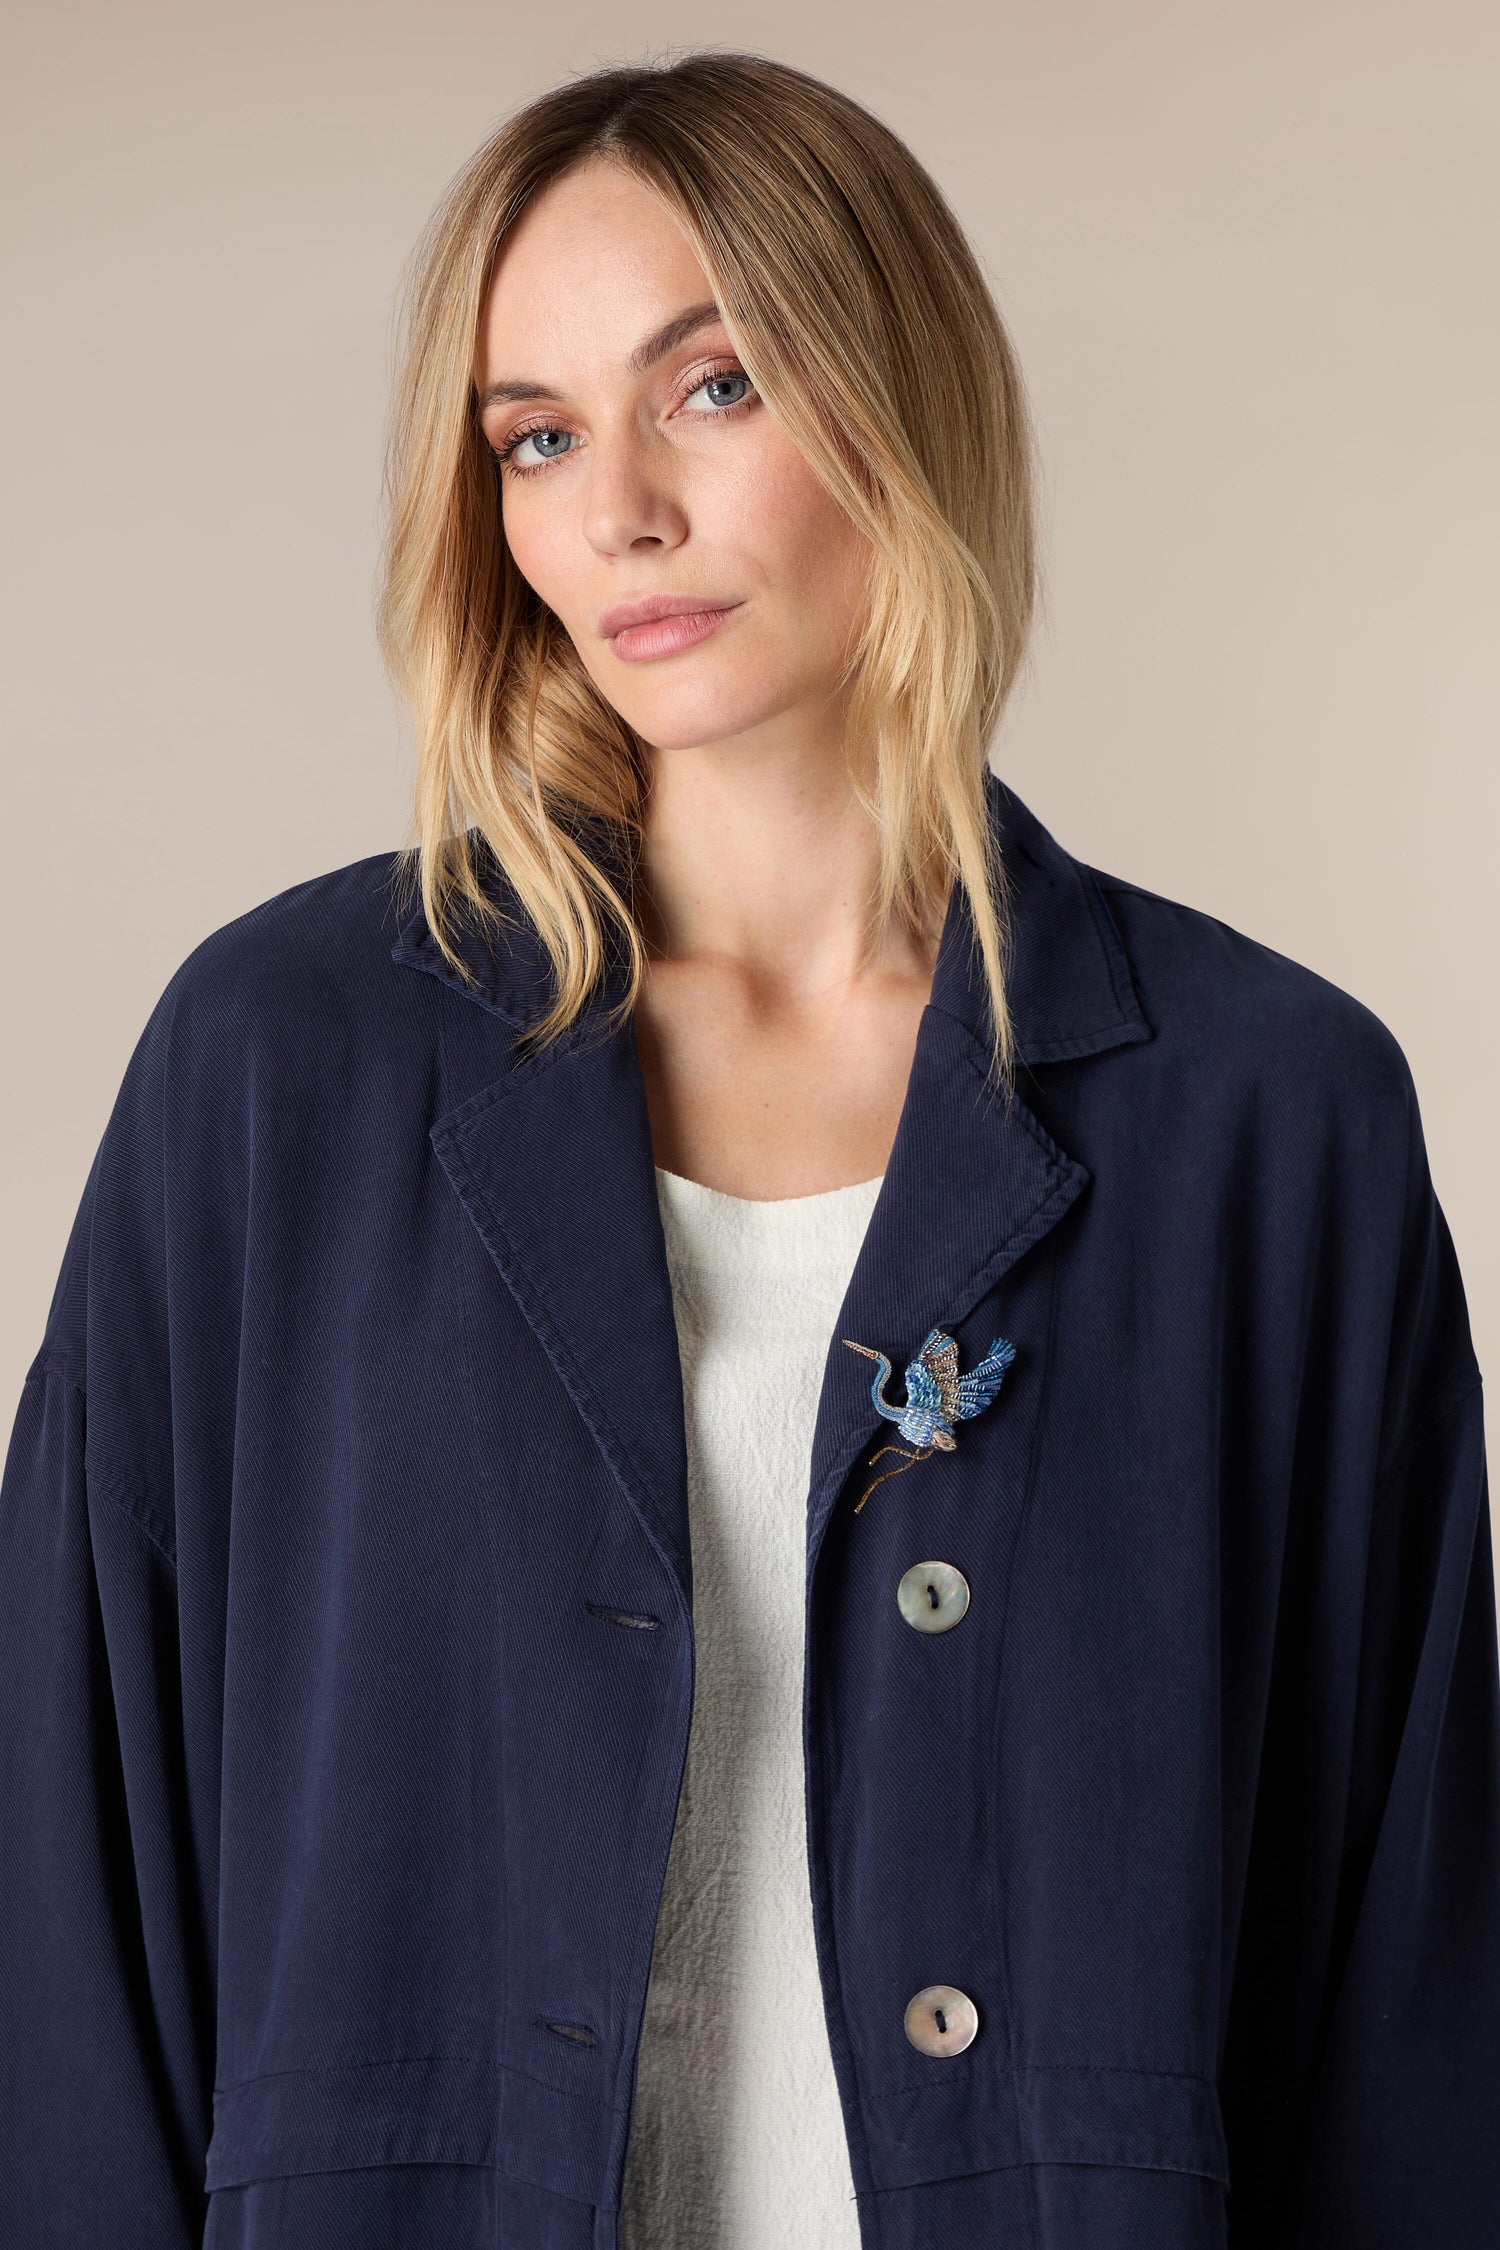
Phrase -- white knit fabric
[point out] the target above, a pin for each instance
(737, 2136)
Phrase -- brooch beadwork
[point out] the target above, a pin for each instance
(937, 1396)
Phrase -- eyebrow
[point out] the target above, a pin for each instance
(655, 347)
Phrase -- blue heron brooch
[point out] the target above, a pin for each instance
(937, 1396)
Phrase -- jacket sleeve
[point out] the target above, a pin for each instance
(1368, 2088)
(105, 2008)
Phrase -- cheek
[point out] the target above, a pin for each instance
(808, 551)
(825, 563)
(543, 554)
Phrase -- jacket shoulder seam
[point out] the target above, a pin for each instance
(145, 1519)
(50, 1362)
(109, 1483)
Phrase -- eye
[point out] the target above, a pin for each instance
(542, 431)
(717, 379)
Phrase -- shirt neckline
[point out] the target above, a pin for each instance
(686, 1189)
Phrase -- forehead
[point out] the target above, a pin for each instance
(596, 264)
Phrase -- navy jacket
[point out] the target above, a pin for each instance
(346, 1651)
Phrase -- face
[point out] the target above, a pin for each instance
(638, 461)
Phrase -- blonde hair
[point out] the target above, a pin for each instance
(862, 318)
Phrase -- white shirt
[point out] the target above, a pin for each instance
(737, 2137)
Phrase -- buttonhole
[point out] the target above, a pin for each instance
(580, 2033)
(634, 1618)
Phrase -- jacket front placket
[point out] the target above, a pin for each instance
(551, 1159)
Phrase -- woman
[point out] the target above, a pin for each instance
(767, 1524)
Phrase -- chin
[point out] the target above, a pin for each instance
(691, 722)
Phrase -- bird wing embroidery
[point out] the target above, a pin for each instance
(939, 1356)
(978, 1387)
(922, 1390)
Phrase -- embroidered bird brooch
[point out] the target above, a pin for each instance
(937, 1396)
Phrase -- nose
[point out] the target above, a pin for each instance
(632, 497)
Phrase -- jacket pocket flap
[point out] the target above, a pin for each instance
(427, 2109)
(960, 2120)
(420, 2109)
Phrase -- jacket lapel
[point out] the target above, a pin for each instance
(552, 1161)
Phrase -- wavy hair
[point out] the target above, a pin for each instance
(861, 314)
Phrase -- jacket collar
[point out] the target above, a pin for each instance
(1070, 989)
(551, 1158)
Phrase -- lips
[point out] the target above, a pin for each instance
(650, 607)
(669, 635)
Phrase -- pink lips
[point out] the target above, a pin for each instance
(660, 624)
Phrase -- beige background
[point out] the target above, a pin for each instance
(1248, 258)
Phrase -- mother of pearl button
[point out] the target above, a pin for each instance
(940, 2019)
(932, 1596)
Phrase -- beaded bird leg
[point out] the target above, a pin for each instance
(874, 1457)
